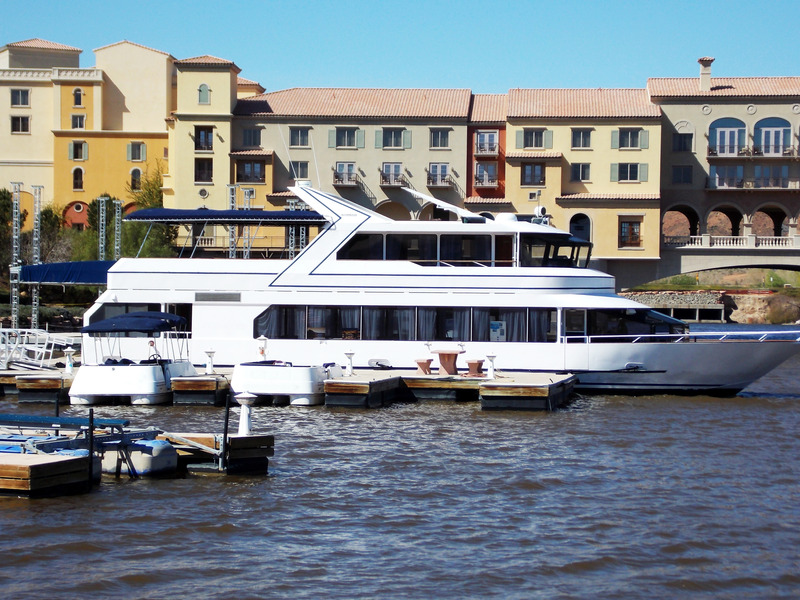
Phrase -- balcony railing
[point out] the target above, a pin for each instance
(485, 181)
(438, 180)
(775, 150)
(753, 183)
(727, 150)
(350, 179)
(392, 179)
(730, 241)
(486, 149)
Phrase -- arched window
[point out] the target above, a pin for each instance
(136, 179)
(203, 94)
(726, 137)
(77, 97)
(772, 137)
(581, 227)
(77, 179)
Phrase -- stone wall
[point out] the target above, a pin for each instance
(752, 308)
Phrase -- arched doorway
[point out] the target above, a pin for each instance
(393, 210)
(581, 227)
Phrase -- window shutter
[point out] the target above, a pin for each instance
(644, 139)
(548, 138)
(643, 172)
(360, 138)
(331, 138)
(615, 139)
(740, 137)
(379, 138)
(71, 151)
(406, 139)
(614, 171)
(787, 136)
(144, 151)
(85, 151)
(520, 139)
(130, 152)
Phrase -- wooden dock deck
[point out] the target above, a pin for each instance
(43, 474)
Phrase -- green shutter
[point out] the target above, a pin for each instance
(644, 139)
(360, 135)
(614, 171)
(642, 171)
(71, 151)
(85, 151)
(615, 139)
(406, 139)
(379, 138)
(520, 139)
(331, 138)
(548, 138)
(130, 152)
(144, 151)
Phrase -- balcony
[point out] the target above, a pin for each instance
(439, 181)
(345, 179)
(728, 151)
(753, 183)
(486, 149)
(485, 181)
(392, 179)
(775, 151)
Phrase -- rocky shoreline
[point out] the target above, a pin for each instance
(752, 307)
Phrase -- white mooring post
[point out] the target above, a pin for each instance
(210, 362)
(490, 358)
(349, 356)
(246, 401)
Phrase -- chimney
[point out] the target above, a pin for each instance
(705, 73)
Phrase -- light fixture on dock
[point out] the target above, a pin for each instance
(68, 352)
(210, 362)
(490, 358)
(246, 401)
(349, 356)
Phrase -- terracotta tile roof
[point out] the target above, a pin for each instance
(481, 200)
(724, 86)
(207, 60)
(247, 82)
(43, 45)
(489, 108)
(577, 103)
(252, 153)
(542, 154)
(283, 194)
(132, 44)
(590, 196)
(359, 102)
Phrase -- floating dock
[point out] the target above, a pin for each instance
(203, 390)
(44, 474)
(48, 386)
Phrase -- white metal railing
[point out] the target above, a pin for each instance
(31, 347)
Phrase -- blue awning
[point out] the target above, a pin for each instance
(142, 321)
(178, 216)
(87, 272)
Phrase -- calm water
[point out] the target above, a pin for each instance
(614, 497)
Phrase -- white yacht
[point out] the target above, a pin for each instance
(155, 340)
(389, 292)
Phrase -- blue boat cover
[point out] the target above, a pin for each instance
(87, 272)
(178, 216)
(142, 321)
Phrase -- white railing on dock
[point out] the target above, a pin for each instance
(29, 347)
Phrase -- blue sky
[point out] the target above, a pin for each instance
(488, 47)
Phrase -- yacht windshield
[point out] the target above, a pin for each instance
(548, 251)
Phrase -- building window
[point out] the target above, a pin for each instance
(251, 138)
(345, 173)
(78, 150)
(136, 179)
(532, 174)
(203, 138)
(440, 138)
(581, 138)
(486, 174)
(77, 97)
(346, 137)
(298, 169)
(78, 121)
(392, 137)
(486, 142)
(629, 138)
(533, 138)
(203, 170)
(682, 142)
(391, 173)
(438, 174)
(682, 174)
(298, 137)
(579, 172)
(77, 180)
(137, 151)
(203, 94)
(20, 124)
(20, 98)
(630, 232)
(629, 172)
(251, 171)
